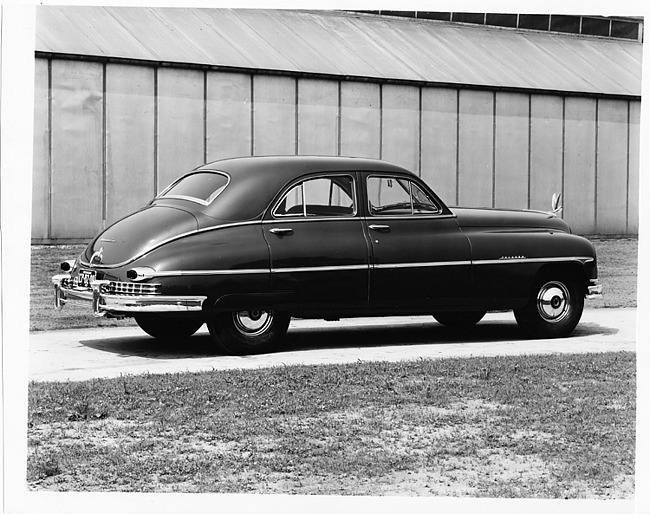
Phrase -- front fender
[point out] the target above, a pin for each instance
(506, 264)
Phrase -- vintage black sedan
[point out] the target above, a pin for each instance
(245, 244)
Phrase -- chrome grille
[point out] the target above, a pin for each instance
(130, 289)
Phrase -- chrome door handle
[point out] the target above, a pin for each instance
(281, 231)
(379, 227)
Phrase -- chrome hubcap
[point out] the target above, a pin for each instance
(252, 323)
(554, 302)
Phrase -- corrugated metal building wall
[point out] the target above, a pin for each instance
(128, 99)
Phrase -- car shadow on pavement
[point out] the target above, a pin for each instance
(335, 336)
(418, 333)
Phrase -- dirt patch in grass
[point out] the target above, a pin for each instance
(533, 427)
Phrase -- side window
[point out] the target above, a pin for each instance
(422, 204)
(397, 196)
(291, 203)
(322, 196)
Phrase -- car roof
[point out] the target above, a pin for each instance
(296, 165)
(255, 181)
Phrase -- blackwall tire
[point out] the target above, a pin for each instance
(553, 310)
(459, 320)
(168, 328)
(248, 332)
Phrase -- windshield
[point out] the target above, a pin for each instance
(201, 187)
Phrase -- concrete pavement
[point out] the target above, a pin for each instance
(110, 352)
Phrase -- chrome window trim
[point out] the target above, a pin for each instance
(410, 192)
(394, 217)
(294, 215)
(302, 181)
(301, 219)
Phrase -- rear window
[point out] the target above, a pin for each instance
(202, 187)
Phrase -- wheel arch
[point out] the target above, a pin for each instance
(574, 270)
(245, 301)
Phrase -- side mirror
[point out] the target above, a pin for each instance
(555, 203)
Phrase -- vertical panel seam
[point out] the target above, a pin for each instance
(494, 148)
(156, 107)
(252, 149)
(296, 120)
(563, 148)
(50, 180)
(596, 121)
(420, 131)
(627, 178)
(339, 114)
(381, 121)
(104, 150)
(457, 146)
(205, 116)
(530, 143)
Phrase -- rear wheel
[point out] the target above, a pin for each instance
(168, 328)
(554, 308)
(248, 332)
(459, 319)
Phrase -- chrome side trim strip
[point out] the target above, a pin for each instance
(260, 222)
(526, 260)
(204, 273)
(354, 267)
(350, 267)
(166, 241)
(402, 265)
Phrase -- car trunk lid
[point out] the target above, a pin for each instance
(139, 233)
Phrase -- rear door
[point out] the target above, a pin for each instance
(419, 260)
(318, 248)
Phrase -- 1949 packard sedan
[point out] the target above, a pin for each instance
(245, 244)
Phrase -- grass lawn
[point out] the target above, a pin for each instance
(532, 427)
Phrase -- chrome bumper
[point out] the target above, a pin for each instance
(116, 305)
(594, 291)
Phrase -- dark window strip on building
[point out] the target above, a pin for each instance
(565, 24)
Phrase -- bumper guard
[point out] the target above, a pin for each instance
(118, 305)
(594, 290)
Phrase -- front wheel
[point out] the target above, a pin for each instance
(248, 332)
(168, 328)
(554, 309)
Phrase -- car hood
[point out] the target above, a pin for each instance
(500, 219)
(139, 233)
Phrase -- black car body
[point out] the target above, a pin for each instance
(245, 244)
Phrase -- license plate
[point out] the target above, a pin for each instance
(85, 278)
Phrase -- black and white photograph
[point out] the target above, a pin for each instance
(292, 257)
